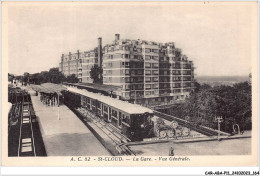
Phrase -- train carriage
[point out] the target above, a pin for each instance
(134, 121)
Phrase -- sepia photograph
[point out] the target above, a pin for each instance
(129, 83)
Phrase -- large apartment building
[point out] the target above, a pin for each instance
(149, 72)
(80, 64)
(70, 63)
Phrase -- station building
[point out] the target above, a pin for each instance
(149, 73)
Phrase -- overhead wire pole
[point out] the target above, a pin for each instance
(58, 107)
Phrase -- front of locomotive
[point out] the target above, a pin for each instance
(142, 126)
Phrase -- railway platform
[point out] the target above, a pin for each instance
(67, 135)
(229, 145)
(114, 141)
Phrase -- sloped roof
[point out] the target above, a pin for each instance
(48, 88)
(99, 87)
(119, 104)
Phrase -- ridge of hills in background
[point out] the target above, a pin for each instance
(221, 80)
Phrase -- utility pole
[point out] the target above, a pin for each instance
(218, 119)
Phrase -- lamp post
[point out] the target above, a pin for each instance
(58, 106)
(135, 97)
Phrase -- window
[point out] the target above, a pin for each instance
(120, 119)
(127, 87)
(148, 79)
(147, 50)
(155, 57)
(127, 79)
(155, 72)
(147, 93)
(147, 72)
(147, 57)
(117, 56)
(123, 63)
(148, 86)
(155, 65)
(126, 119)
(114, 113)
(155, 79)
(155, 50)
(127, 94)
(148, 65)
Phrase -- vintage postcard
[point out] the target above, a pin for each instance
(129, 84)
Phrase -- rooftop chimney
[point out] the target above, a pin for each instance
(78, 54)
(69, 55)
(117, 37)
(99, 51)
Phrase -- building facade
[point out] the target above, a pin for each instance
(149, 73)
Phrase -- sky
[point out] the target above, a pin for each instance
(217, 37)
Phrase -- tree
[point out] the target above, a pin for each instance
(35, 78)
(10, 77)
(20, 78)
(56, 77)
(197, 86)
(26, 77)
(233, 103)
(96, 73)
(72, 79)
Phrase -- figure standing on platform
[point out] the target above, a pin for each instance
(171, 152)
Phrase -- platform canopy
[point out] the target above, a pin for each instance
(48, 88)
(96, 87)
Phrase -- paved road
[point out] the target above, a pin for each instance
(240, 146)
(67, 136)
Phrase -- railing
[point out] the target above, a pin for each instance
(199, 128)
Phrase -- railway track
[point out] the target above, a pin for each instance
(185, 123)
(119, 139)
(26, 138)
(24, 135)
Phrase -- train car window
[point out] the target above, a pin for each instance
(98, 105)
(109, 115)
(102, 109)
(123, 117)
(126, 119)
(105, 116)
(105, 108)
(120, 119)
(114, 113)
